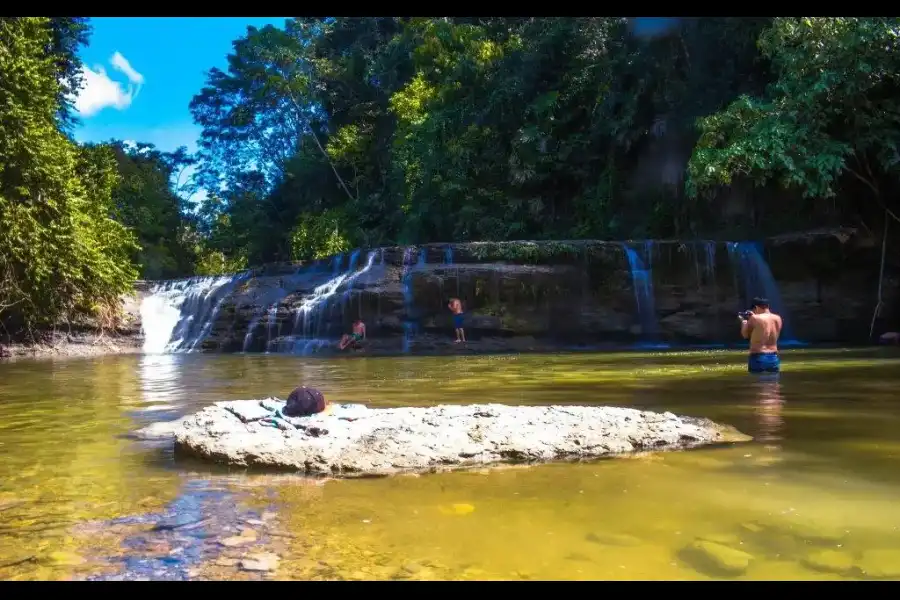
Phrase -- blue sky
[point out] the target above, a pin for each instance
(143, 71)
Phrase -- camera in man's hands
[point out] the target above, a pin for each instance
(746, 314)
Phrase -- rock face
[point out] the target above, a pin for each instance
(535, 295)
(355, 441)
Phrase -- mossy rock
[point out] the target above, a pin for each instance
(716, 559)
(880, 564)
(830, 561)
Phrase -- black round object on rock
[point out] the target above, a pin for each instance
(304, 402)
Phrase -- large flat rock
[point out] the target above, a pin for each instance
(356, 441)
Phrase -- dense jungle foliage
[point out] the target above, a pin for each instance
(332, 133)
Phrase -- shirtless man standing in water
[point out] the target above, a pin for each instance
(762, 328)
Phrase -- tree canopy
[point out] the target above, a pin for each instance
(61, 252)
(76, 222)
(364, 131)
(333, 133)
(831, 114)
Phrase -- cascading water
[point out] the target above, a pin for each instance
(313, 306)
(642, 281)
(301, 320)
(648, 254)
(710, 260)
(757, 280)
(448, 259)
(271, 323)
(268, 309)
(705, 252)
(178, 314)
(406, 280)
(348, 292)
(222, 295)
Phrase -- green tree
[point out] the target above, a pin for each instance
(147, 202)
(831, 118)
(61, 253)
(410, 130)
(68, 34)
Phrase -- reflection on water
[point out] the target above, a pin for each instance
(160, 383)
(769, 406)
(813, 497)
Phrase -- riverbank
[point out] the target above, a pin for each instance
(85, 339)
(75, 345)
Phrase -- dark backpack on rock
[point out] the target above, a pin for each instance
(304, 402)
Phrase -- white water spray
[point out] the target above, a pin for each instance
(177, 314)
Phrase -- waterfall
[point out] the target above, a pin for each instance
(268, 309)
(757, 280)
(642, 282)
(406, 280)
(312, 307)
(706, 251)
(177, 315)
(223, 293)
(301, 311)
(711, 260)
(448, 260)
(345, 297)
(314, 303)
(248, 337)
(301, 314)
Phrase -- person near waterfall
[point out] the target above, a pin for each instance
(456, 308)
(356, 336)
(762, 327)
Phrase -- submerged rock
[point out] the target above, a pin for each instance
(830, 561)
(264, 561)
(715, 558)
(880, 564)
(613, 539)
(357, 441)
(163, 430)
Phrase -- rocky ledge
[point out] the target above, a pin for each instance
(356, 441)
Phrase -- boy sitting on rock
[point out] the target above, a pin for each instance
(357, 336)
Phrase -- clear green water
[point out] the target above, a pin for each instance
(813, 497)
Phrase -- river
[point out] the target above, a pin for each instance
(813, 497)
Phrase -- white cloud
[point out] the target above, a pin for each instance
(120, 63)
(99, 91)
